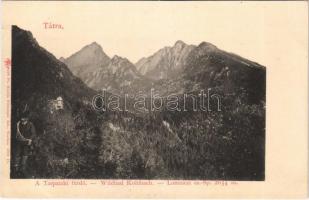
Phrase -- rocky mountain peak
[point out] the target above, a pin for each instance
(117, 59)
(179, 44)
(118, 62)
(95, 49)
(94, 46)
(62, 59)
(165, 62)
(87, 60)
(207, 45)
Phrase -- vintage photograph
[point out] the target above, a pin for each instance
(154, 99)
(184, 112)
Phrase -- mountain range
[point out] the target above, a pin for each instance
(81, 142)
(175, 69)
(92, 65)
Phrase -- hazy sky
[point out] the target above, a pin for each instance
(138, 29)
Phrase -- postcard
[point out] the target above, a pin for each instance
(125, 99)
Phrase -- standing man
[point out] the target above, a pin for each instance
(25, 134)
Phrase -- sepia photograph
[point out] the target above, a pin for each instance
(188, 112)
(151, 99)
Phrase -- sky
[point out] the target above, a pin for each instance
(138, 29)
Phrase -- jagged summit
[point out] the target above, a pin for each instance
(98, 70)
(165, 62)
(118, 58)
(179, 44)
(62, 59)
(87, 60)
(95, 43)
(206, 44)
(94, 46)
